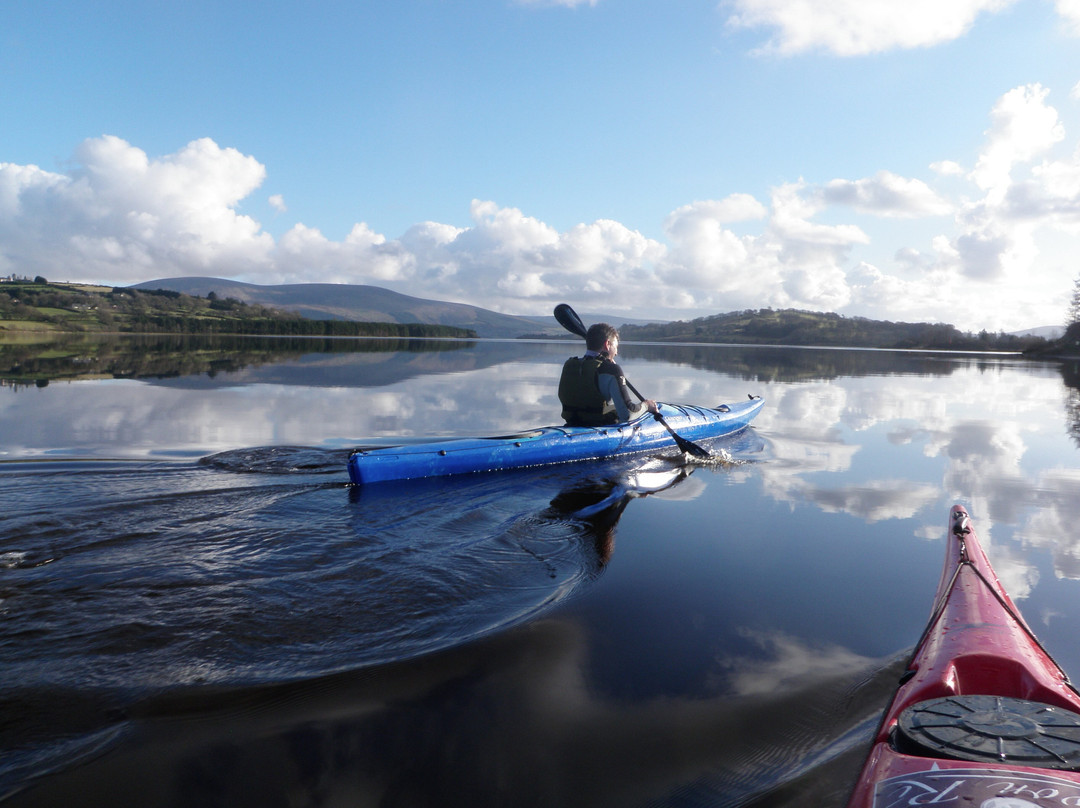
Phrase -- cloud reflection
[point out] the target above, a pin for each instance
(521, 710)
(845, 438)
(876, 500)
(976, 425)
(787, 662)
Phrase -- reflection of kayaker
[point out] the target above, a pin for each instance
(983, 715)
(600, 503)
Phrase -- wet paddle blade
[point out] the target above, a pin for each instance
(569, 320)
(689, 447)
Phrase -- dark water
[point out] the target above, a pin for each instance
(196, 609)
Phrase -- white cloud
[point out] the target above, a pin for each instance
(886, 194)
(1051, 195)
(859, 27)
(795, 262)
(120, 216)
(1069, 10)
(996, 239)
(947, 168)
(736, 208)
(792, 212)
(517, 257)
(277, 202)
(304, 253)
(1023, 127)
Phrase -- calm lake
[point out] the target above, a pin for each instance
(197, 609)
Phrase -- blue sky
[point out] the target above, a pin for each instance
(914, 161)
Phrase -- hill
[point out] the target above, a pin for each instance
(64, 307)
(794, 327)
(212, 305)
(340, 301)
(1067, 346)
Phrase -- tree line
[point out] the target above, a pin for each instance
(804, 328)
(67, 307)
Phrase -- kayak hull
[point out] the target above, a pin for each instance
(962, 728)
(552, 444)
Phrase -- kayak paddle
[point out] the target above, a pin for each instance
(569, 320)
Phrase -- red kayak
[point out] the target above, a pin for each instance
(983, 716)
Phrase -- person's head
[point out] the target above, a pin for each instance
(602, 337)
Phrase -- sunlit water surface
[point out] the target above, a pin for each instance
(197, 609)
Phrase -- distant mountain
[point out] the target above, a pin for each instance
(616, 320)
(339, 301)
(1045, 331)
(1067, 346)
(374, 304)
(332, 301)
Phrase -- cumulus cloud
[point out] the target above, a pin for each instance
(1069, 10)
(304, 252)
(1050, 195)
(947, 168)
(860, 27)
(795, 262)
(887, 194)
(123, 216)
(1023, 127)
(120, 216)
(995, 239)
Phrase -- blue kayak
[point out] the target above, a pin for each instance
(551, 444)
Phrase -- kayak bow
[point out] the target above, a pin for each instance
(983, 715)
(551, 444)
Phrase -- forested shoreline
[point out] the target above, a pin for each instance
(41, 306)
(824, 329)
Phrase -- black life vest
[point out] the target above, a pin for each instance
(579, 392)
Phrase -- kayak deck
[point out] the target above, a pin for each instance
(982, 712)
(550, 444)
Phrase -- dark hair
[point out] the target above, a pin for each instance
(598, 334)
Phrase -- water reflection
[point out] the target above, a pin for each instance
(600, 503)
(892, 449)
(218, 582)
(525, 634)
(510, 720)
(80, 357)
(1070, 374)
(770, 363)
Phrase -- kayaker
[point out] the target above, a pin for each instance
(593, 388)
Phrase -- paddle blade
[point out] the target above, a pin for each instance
(685, 446)
(569, 320)
(693, 449)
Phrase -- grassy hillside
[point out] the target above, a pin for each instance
(64, 307)
(793, 327)
(343, 301)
